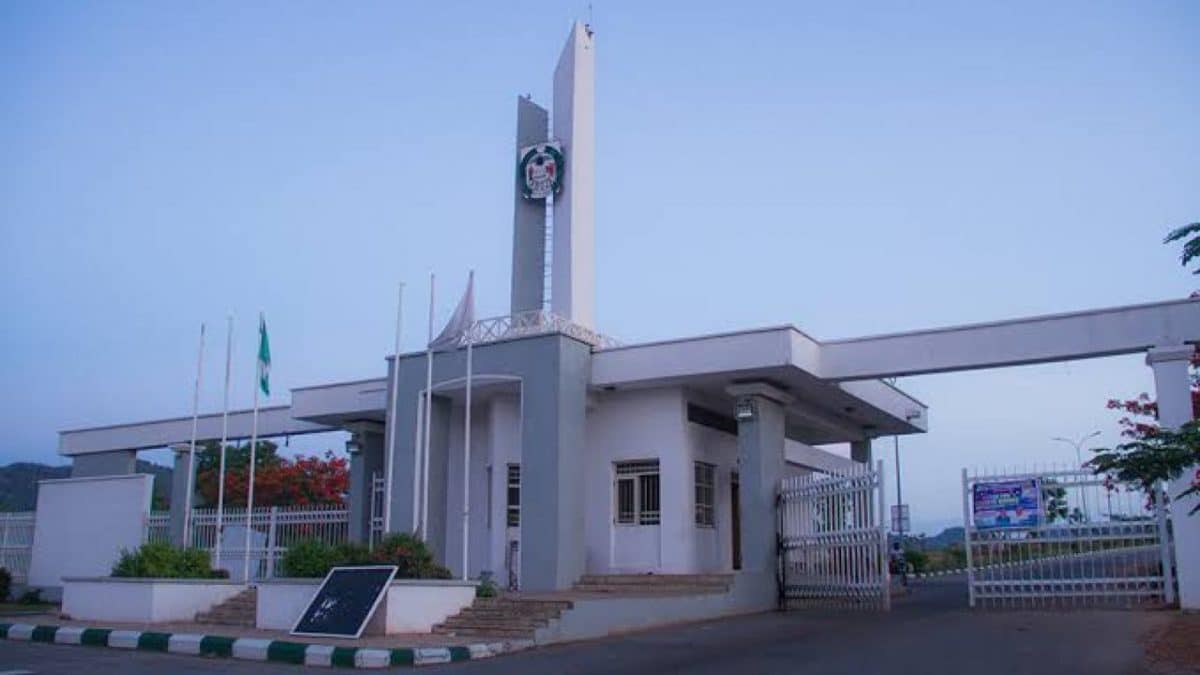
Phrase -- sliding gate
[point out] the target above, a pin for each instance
(833, 540)
(1063, 538)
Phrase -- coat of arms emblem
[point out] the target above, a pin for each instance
(540, 168)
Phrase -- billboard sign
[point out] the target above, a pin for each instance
(1010, 503)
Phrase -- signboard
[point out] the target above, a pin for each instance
(900, 520)
(540, 168)
(1010, 503)
(345, 601)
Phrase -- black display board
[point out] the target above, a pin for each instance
(345, 601)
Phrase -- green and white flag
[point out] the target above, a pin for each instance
(264, 357)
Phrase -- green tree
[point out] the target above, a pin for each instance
(1155, 454)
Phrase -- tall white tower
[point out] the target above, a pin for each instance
(573, 264)
(573, 270)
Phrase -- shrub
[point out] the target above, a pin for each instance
(313, 558)
(410, 555)
(917, 560)
(32, 596)
(487, 587)
(5, 583)
(163, 561)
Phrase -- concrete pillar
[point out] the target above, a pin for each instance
(860, 451)
(439, 453)
(1172, 385)
(179, 488)
(115, 463)
(363, 465)
(553, 441)
(529, 217)
(760, 415)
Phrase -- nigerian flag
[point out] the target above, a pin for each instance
(264, 357)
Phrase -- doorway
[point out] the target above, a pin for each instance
(735, 515)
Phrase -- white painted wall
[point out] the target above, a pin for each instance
(478, 530)
(84, 523)
(143, 600)
(410, 605)
(625, 426)
(503, 448)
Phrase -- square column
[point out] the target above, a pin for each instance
(364, 463)
(1173, 392)
(553, 441)
(860, 451)
(179, 488)
(760, 417)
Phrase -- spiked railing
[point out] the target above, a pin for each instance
(534, 322)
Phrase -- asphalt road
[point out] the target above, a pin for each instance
(931, 632)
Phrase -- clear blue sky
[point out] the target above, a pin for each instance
(850, 170)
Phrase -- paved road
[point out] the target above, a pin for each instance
(931, 632)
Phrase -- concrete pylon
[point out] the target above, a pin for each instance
(529, 218)
(573, 270)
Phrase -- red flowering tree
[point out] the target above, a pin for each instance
(1153, 454)
(278, 481)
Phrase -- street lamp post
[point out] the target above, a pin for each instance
(1078, 445)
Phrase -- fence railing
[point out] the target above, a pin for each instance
(16, 544)
(833, 541)
(272, 530)
(1085, 543)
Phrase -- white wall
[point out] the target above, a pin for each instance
(83, 523)
(504, 448)
(143, 600)
(634, 425)
(478, 531)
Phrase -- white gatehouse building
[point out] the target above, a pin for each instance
(588, 456)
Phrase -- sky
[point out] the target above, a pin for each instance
(849, 168)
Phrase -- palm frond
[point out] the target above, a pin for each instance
(1191, 248)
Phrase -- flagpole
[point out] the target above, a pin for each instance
(253, 457)
(191, 484)
(393, 417)
(428, 417)
(467, 435)
(416, 491)
(224, 440)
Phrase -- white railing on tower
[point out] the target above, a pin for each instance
(16, 544)
(533, 322)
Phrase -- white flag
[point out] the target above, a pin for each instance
(460, 322)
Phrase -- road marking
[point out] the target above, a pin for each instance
(16, 672)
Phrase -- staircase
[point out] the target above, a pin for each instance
(640, 585)
(509, 616)
(518, 616)
(236, 611)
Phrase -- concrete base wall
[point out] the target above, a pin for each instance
(590, 619)
(143, 600)
(410, 605)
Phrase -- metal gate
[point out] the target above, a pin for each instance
(1078, 541)
(833, 540)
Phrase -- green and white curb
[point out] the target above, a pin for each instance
(256, 649)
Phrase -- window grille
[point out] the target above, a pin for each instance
(514, 495)
(705, 494)
(637, 492)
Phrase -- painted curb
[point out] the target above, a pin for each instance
(256, 649)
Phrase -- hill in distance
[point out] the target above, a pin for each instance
(18, 483)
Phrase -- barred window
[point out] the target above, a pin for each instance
(705, 494)
(513, 507)
(637, 493)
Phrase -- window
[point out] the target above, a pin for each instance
(705, 494)
(513, 507)
(637, 493)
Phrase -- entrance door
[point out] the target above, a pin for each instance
(512, 526)
(735, 511)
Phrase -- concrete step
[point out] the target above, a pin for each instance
(668, 579)
(493, 632)
(652, 589)
(239, 610)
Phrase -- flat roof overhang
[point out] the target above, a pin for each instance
(823, 411)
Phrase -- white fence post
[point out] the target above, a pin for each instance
(966, 510)
(271, 533)
(1164, 544)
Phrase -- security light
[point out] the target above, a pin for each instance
(745, 410)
